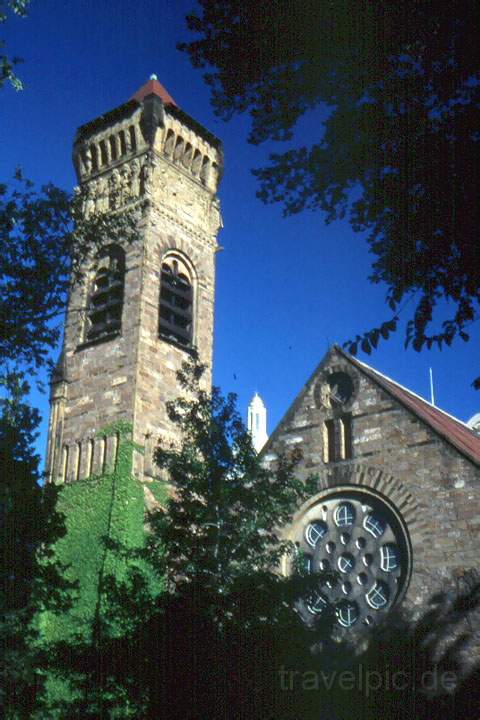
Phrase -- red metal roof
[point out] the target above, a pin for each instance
(153, 86)
(448, 427)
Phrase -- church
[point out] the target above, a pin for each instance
(397, 508)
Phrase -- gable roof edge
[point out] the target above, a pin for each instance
(296, 401)
(405, 395)
(448, 428)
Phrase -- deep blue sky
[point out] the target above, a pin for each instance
(286, 288)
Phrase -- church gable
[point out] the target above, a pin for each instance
(381, 451)
(349, 411)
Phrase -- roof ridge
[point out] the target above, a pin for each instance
(411, 392)
(444, 425)
(447, 426)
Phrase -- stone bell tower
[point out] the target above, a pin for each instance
(142, 305)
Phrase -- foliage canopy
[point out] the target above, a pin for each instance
(31, 580)
(46, 241)
(222, 641)
(220, 529)
(7, 64)
(397, 88)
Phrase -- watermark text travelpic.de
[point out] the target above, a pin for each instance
(366, 680)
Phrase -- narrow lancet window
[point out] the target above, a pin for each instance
(329, 454)
(123, 143)
(346, 437)
(113, 147)
(103, 152)
(337, 439)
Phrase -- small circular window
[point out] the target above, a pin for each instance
(334, 390)
(366, 568)
(375, 525)
(339, 388)
(315, 531)
(347, 613)
(317, 603)
(344, 515)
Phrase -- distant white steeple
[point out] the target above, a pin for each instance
(257, 422)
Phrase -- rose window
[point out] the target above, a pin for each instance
(361, 545)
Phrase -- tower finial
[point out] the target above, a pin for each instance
(154, 87)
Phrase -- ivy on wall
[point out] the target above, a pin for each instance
(102, 548)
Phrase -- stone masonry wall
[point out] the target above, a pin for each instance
(159, 162)
(99, 378)
(433, 486)
(184, 218)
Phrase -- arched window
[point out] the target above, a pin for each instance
(205, 171)
(123, 142)
(113, 147)
(197, 163)
(178, 152)
(169, 143)
(94, 156)
(106, 295)
(103, 152)
(337, 439)
(176, 301)
(187, 156)
(132, 138)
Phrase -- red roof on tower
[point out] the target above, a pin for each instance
(152, 86)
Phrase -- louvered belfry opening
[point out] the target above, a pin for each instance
(176, 302)
(106, 297)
